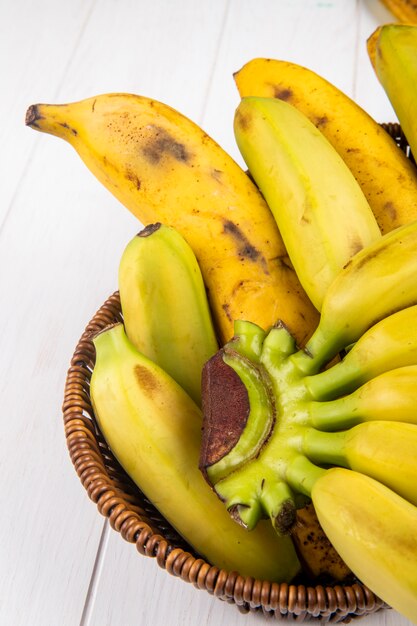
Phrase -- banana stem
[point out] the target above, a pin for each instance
(325, 448)
(318, 351)
(334, 415)
(302, 474)
(340, 379)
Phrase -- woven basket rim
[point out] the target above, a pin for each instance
(132, 515)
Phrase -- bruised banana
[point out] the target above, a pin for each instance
(387, 345)
(392, 49)
(164, 305)
(374, 530)
(377, 281)
(154, 429)
(164, 168)
(391, 395)
(387, 177)
(317, 203)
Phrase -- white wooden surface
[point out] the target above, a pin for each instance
(61, 236)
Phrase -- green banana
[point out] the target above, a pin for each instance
(377, 281)
(389, 344)
(164, 305)
(154, 430)
(315, 199)
(374, 531)
(392, 49)
(390, 396)
(383, 450)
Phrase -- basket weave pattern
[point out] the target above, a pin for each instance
(132, 515)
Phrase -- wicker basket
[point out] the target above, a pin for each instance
(135, 518)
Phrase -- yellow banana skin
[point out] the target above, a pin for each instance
(386, 451)
(164, 168)
(328, 215)
(392, 50)
(389, 344)
(390, 396)
(154, 429)
(374, 531)
(387, 178)
(383, 450)
(376, 282)
(164, 305)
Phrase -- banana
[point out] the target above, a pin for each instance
(387, 178)
(403, 10)
(383, 450)
(390, 396)
(164, 305)
(164, 168)
(374, 530)
(321, 212)
(392, 49)
(377, 281)
(154, 430)
(319, 558)
(389, 344)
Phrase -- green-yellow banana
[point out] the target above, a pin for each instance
(386, 176)
(165, 168)
(392, 50)
(374, 530)
(384, 450)
(377, 281)
(390, 396)
(389, 344)
(321, 212)
(154, 430)
(164, 305)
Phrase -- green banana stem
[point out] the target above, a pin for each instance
(290, 436)
(391, 396)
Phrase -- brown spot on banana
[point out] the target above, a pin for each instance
(161, 144)
(242, 120)
(244, 247)
(391, 210)
(283, 93)
(134, 178)
(147, 381)
(322, 121)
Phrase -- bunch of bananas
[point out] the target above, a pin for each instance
(292, 291)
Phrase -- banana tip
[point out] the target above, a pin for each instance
(32, 115)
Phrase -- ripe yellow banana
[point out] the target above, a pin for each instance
(392, 50)
(404, 10)
(164, 305)
(387, 178)
(164, 168)
(389, 344)
(390, 396)
(374, 530)
(154, 430)
(321, 212)
(377, 281)
(384, 450)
